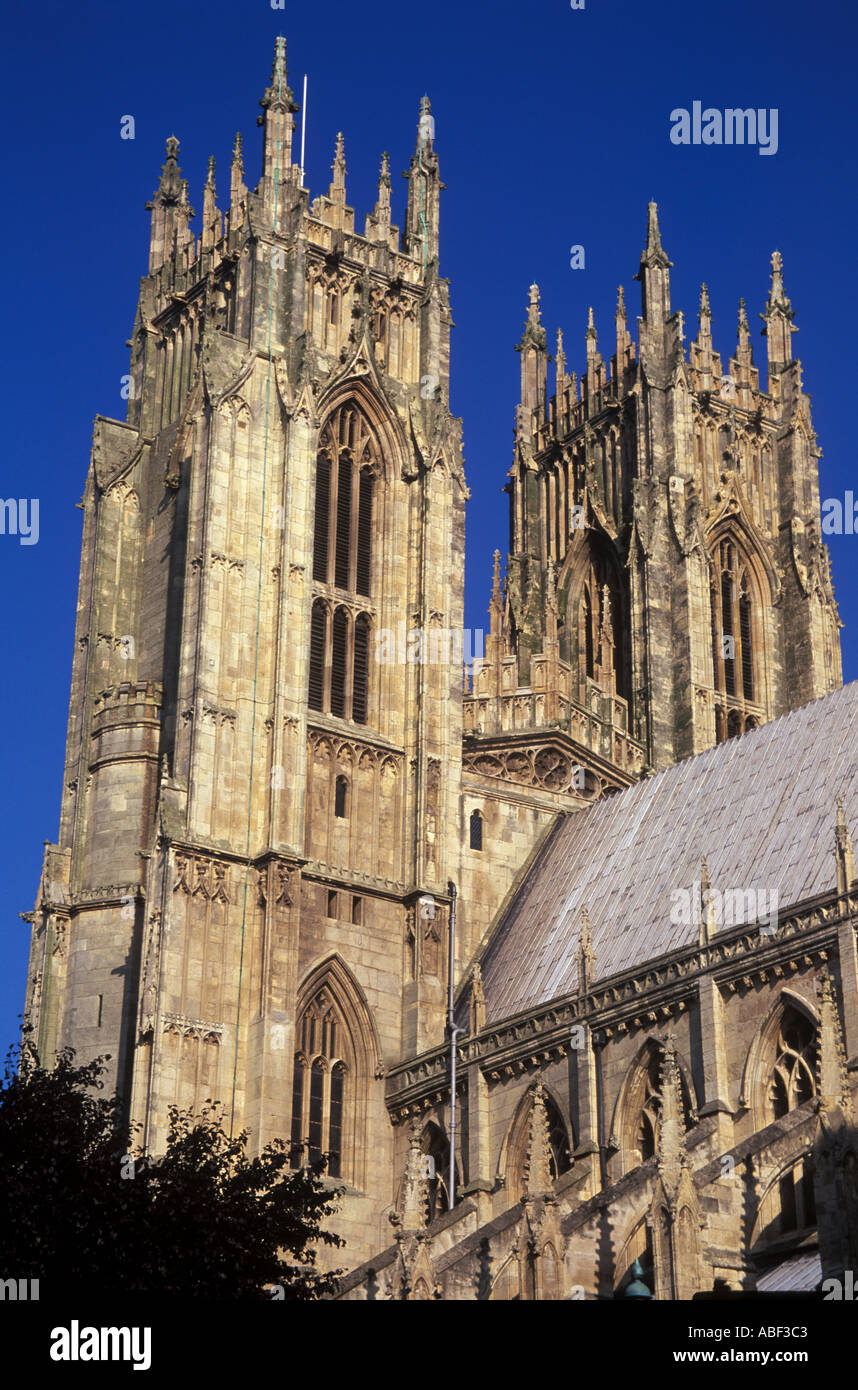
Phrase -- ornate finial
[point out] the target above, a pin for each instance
(743, 317)
(670, 1142)
(378, 224)
(183, 201)
(705, 311)
(551, 602)
(533, 314)
(653, 231)
(237, 190)
(708, 917)
(586, 934)
(831, 1068)
(339, 165)
(778, 300)
(605, 625)
(425, 124)
(478, 1000)
(170, 183)
(560, 363)
(844, 852)
(537, 1166)
(654, 253)
(778, 323)
(211, 217)
(413, 1211)
(171, 212)
(383, 202)
(534, 333)
(591, 324)
(777, 270)
(586, 959)
(621, 303)
(496, 601)
(277, 96)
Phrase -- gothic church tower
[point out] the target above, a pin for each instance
(667, 584)
(253, 806)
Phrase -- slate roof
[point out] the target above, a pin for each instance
(761, 807)
(798, 1274)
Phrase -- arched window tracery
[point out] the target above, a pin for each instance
(324, 1064)
(792, 1079)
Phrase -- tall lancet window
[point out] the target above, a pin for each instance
(347, 467)
(734, 655)
(320, 1087)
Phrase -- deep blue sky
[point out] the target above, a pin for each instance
(552, 130)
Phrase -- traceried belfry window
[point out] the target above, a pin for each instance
(320, 1087)
(733, 642)
(347, 466)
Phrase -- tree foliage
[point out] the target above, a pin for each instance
(81, 1207)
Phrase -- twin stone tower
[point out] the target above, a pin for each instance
(263, 826)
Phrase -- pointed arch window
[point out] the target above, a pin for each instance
(476, 827)
(347, 466)
(734, 627)
(324, 1064)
